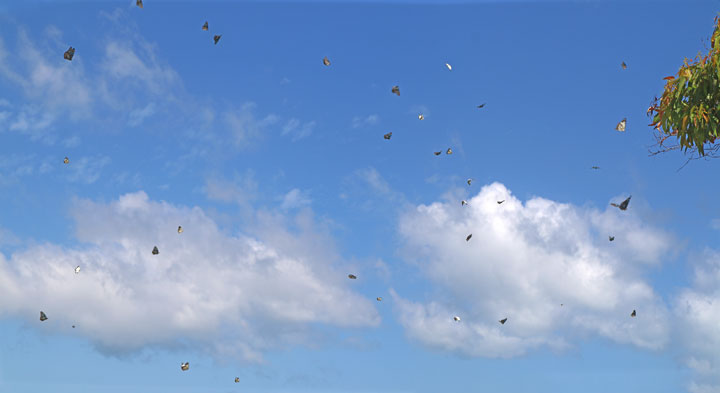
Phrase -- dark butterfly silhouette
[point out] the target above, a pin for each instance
(396, 90)
(217, 38)
(467, 239)
(185, 366)
(388, 135)
(469, 181)
(326, 61)
(464, 202)
(205, 26)
(449, 151)
(237, 379)
(437, 153)
(69, 54)
(611, 238)
(623, 205)
(139, 3)
(43, 317)
(352, 276)
(502, 321)
(500, 202)
(633, 314)
(155, 251)
(623, 65)
(481, 106)
(456, 318)
(594, 167)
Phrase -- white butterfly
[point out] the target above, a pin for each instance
(621, 126)
(77, 269)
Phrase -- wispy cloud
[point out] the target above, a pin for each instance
(370, 120)
(297, 130)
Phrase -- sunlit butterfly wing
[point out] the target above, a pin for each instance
(449, 151)
(456, 318)
(633, 314)
(77, 269)
(180, 230)
(139, 3)
(326, 61)
(623, 65)
(379, 299)
(205, 26)
(449, 67)
(421, 117)
(621, 126)
(66, 160)
(237, 379)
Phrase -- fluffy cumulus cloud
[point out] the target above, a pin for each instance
(523, 261)
(231, 294)
(697, 310)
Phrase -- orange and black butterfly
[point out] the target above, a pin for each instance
(623, 205)
(205, 26)
(217, 38)
(69, 54)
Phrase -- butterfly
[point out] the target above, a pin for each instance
(449, 67)
(352, 276)
(621, 126)
(623, 65)
(184, 366)
(502, 321)
(326, 61)
(205, 26)
(633, 314)
(437, 153)
(379, 299)
(396, 90)
(77, 269)
(237, 379)
(464, 202)
(217, 38)
(481, 106)
(388, 135)
(139, 3)
(469, 181)
(155, 251)
(467, 239)
(594, 167)
(421, 117)
(43, 317)
(623, 205)
(69, 54)
(456, 318)
(611, 238)
(66, 160)
(180, 230)
(500, 202)
(449, 151)
(73, 326)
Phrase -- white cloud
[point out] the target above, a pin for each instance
(295, 199)
(138, 115)
(370, 120)
(86, 169)
(522, 262)
(228, 294)
(244, 126)
(293, 127)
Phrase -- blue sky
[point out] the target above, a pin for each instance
(276, 167)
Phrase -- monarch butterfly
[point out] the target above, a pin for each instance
(456, 318)
(326, 61)
(217, 38)
(155, 251)
(396, 90)
(621, 126)
(352, 276)
(379, 299)
(205, 26)
(623, 205)
(449, 151)
(448, 66)
(623, 65)
(388, 135)
(43, 317)
(180, 230)
(237, 379)
(139, 3)
(184, 366)
(502, 321)
(77, 269)
(69, 54)
(633, 314)
(421, 117)
(66, 160)
(467, 239)
(611, 238)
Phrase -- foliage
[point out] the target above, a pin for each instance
(689, 108)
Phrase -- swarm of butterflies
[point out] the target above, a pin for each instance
(621, 127)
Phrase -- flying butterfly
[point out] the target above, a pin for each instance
(43, 317)
(437, 153)
(502, 321)
(633, 314)
(155, 251)
(396, 90)
(77, 269)
(481, 106)
(217, 38)
(467, 239)
(379, 299)
(73, 326)
(449, 151)
(326, 61)
(464, 202)
(388, 135)
(185, 366)
(237, 379)
(352, 276)
(623, 205)
(205, 26)
(469, 181)
(180, 230)
(139, 3)
(623, 65)
(456, 318)
(621, 126)
(69, 54)
(449, 67)
(611, 238)
(594, 167)
(421, 117)
(500, 202)
(66, 160)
